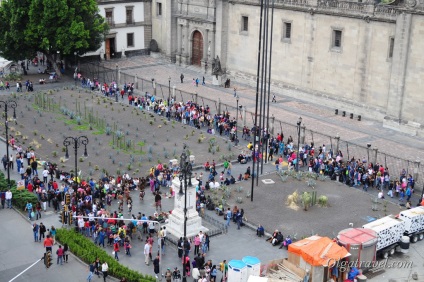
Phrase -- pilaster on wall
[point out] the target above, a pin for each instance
(148, 26)
(173, 29)
(221, 35)
(399, 67)
(168, 27)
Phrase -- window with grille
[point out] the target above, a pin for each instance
(337, 38)
(109, 17)
(129, 16)
(130, 39)
(159, 9)
(244, 23)
(287, 30)
(391, 47)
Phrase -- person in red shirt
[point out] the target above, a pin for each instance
(55, 186)
(48, 243)
(30, 187)
(87, 228)
(116, 250)
(59, 253)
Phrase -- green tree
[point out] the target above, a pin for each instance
(50, 26)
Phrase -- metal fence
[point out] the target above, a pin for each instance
(349, 149)
(98, 71)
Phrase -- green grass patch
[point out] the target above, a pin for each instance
(127, 150)
(98, 132)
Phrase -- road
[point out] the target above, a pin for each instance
(18, 251)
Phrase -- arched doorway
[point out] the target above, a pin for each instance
(197, 48)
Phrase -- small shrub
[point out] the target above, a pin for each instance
(54, 154)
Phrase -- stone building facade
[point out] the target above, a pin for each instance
(355, 56)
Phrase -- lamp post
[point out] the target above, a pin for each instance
(299, 122)
(76, 142)
(236, 138)
(169, 96)
(76, 69)
(185, 172)
(13, 105)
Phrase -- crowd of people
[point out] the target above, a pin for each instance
(91, 201)
(90, 206)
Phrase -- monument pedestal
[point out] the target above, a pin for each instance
(175, 224)
(217, 80)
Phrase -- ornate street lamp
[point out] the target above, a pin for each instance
(299, 122)
(76, 142)
(6, 104)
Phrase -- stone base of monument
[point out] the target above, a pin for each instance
(155, 55)
(175, 225)
(217, 80)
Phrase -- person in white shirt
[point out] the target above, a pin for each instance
(9, 199)
(146, 253)
(45, 175)
(105, 269)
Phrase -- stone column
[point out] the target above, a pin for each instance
(179, 38)
(205, 46)
(396, 95)
(179, 44)
(272, 125)
(205, 49)
(185, 42)
(212, 40)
